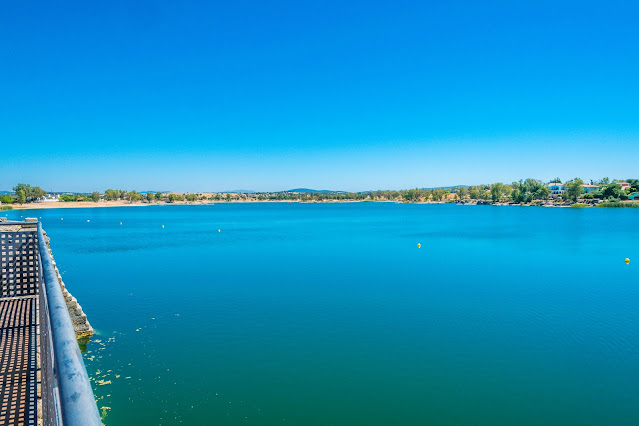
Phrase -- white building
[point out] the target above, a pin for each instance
(556, 189)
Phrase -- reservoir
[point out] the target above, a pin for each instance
(315, 314)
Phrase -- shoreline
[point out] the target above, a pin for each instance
(89, 204)
(120, 203)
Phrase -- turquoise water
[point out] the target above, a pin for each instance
(314, 314)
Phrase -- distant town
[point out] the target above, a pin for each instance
(575, 193)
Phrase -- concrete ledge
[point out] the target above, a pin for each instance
(79, 319)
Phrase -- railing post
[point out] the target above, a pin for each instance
(77, 402)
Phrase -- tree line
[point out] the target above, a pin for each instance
(524, 191)
(23, 194)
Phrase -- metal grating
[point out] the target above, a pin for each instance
(19, 263)
(18, 364)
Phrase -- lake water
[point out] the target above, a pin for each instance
(316, 314)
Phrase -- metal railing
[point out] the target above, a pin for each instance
(67, 397)
(73, 394)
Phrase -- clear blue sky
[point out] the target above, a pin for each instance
(198, 96)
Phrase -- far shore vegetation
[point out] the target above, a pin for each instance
(575, 193)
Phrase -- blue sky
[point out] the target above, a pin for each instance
(211, 96)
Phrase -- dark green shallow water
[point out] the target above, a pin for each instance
(329, 313)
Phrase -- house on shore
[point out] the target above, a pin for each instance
(48, 197)
(556, 188)
(624, 185)
(591, 188)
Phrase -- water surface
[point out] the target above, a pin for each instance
(317, 314)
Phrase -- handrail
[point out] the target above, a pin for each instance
(77, 402)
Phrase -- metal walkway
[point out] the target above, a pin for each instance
(18, 356)
(42, 375)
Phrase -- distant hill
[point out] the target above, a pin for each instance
(322, 191)
(446, 187)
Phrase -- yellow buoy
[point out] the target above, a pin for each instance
(61, 218)
(627, 260)
(162, 226)
(120, 223)
(219, 230)
(419, 245)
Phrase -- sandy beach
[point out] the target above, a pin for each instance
(78, 205)
(125, 203)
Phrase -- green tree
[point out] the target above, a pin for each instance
(191, 197)
(95, 196)
(527, 190)
(612, 190)
(30, 192)
(21, 196)
(150, 197)
(462, 192)
(158, 196)
(37, 192)
(134, 196)
(517, 196)
(68, 197)
(411, 195)
(439, 193)
(574, 188)
(474, 193)
(542, 193)
(496, 191)
(111, 194)
(22, 187)
(7, 199)
(175, 197)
